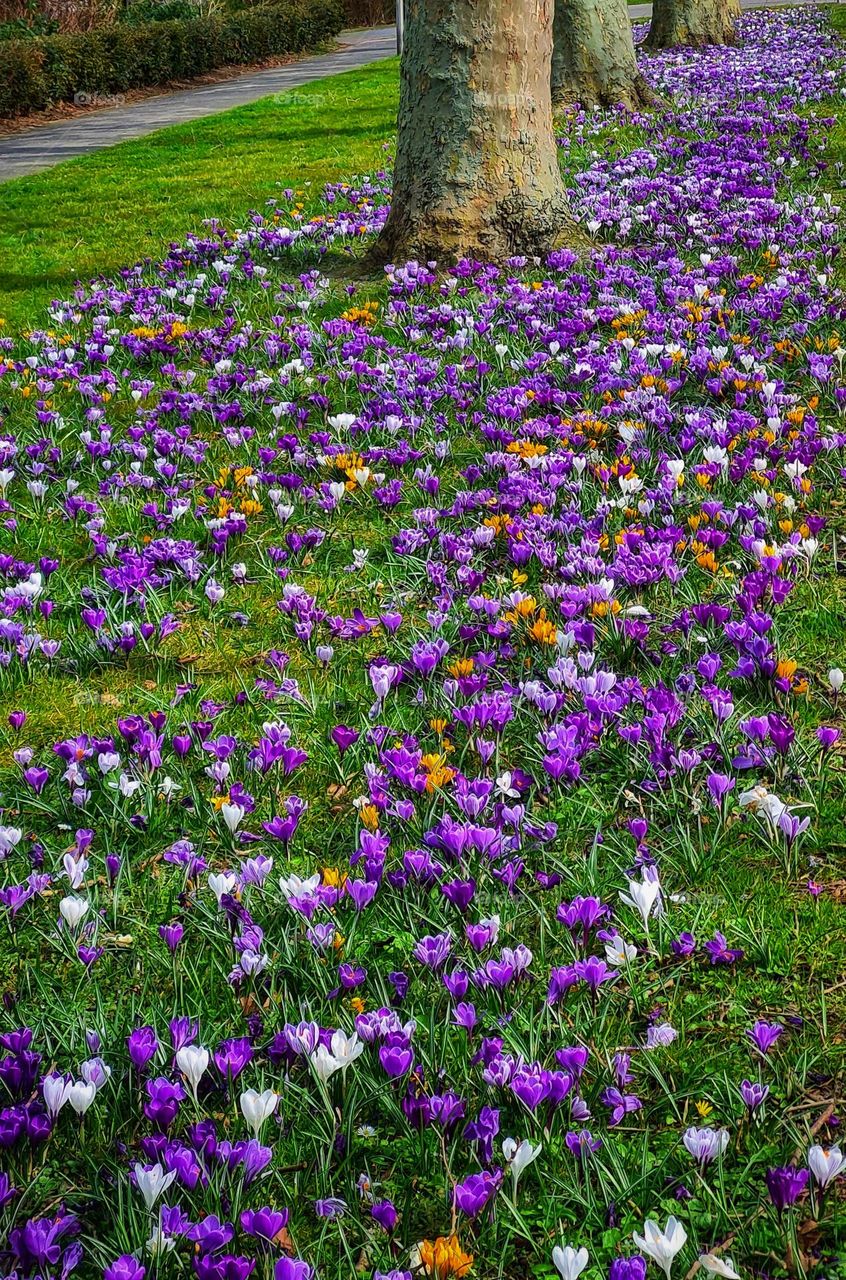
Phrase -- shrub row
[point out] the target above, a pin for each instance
(37, 73)
(368, 13)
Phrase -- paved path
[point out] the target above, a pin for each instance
(45, 145)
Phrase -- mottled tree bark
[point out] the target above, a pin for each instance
(593, 58)
(476, 171)
(693, 22)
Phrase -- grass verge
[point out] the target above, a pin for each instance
(93, 215)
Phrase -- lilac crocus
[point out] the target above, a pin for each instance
(432, 951)
(753, 1093)
(705, 1144)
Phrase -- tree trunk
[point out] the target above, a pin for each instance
(593, 57)
(476, 171)
(692, 22)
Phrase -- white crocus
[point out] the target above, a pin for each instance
(80, 1095)
(159, 1243)
(223, 883)
(345, 1049)
(153, 1182)
(233, 816)
(73, 910)
(661, 1246)
(718, 1266)
(258, 1107)
(192, 1060)
(643, 896)
(519, 1156)
(325, 1064)
(505, 788)
(128, 786)
(569, 1262)
(75, 869)
(294, 886)
(618, 952)
(835, 679)
(9, 837)
(826, 1163)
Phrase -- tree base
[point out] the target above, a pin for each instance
(510, 228)
(633, 94)
(683, 38)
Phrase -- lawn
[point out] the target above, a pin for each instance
(421, 706)
(98, 213)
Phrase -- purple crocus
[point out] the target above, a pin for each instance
(164, 1097)
(37, 778)
(633, 1268)
(143, 1045)
(594, 972)
(582, 1143)
(720, 952)
(292, 1269)
(476, 1191)
(126, 1267)
(719, 785)
(764, 1035)
(343, 737)
(226, 1266)
(232, 1056)
(785, 1185)
(264, 1224)
(209, 1235)
(384, 1212)
(171, 934)
(619, 1104)
(7, 1191)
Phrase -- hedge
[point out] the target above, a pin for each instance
(369, 13)
(36, 73)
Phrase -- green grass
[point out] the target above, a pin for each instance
(93, 215)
